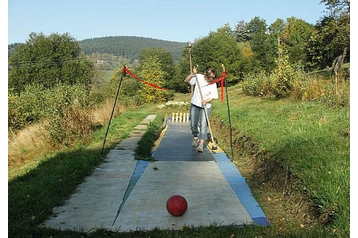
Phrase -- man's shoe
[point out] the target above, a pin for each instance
(200, 148)
(195, 142)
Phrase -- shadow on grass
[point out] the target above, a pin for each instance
(32, 196)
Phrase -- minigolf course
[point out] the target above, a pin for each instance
(124, 194)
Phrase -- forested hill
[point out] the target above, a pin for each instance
(129, 46)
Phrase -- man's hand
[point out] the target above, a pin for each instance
(195, 70)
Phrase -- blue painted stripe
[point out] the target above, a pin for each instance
(240, 187)
(138, 171)
(262, 221)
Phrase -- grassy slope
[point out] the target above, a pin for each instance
(294, 146)
(33, 195)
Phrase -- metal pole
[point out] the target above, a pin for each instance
(191, 66)
(228, 111)
(114, 106)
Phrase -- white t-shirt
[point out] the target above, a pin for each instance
(208, 90)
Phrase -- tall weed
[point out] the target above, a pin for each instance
(327, 92)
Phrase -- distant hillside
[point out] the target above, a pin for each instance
(129, 46)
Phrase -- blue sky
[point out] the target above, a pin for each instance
(179, 20)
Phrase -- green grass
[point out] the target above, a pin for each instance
(32, 196)
(308, 139)
(145, 145)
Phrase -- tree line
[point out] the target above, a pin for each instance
(246, 48)
(129, 46)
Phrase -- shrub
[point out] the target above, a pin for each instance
(257, 85)
(289, 81)
(65, 110)
(26, 108)
(68, 119)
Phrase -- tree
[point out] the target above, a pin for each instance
(242, 32)
(331, 35)
(337, 5)
(248, 62)
(264, 47)
(328, 40)
(295, 36)
(48, 61)
(165, 59)
(219, 48)
(151, 72)
(277, 27)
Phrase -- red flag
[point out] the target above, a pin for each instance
(221, 80)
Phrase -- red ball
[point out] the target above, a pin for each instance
(177, 205)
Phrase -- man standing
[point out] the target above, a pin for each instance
(204, 93)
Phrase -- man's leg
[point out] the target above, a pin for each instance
(194, 120)
(203, 135)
